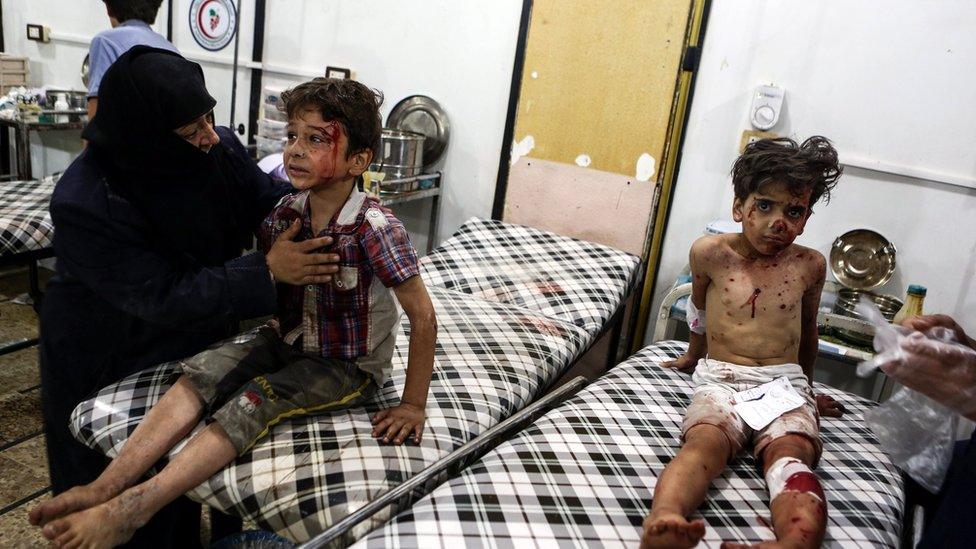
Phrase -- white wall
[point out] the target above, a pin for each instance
(460, 53)
(749, 42)
(58, 63)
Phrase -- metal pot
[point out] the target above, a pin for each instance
(401, 154)
(847, 300)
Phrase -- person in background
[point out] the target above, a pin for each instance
(946, 373)
(130, 27)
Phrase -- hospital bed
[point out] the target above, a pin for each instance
(583, 475)
(509, 323)
(26, 234)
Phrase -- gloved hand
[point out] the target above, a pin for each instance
(937, 367)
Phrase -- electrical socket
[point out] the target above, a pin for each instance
(338, 72)
(38, 33)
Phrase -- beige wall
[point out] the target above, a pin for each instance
(599, 80)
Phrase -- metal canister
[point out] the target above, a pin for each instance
(401, 154)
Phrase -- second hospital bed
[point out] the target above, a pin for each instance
(583, 475)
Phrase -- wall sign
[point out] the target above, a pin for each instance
(213, 23)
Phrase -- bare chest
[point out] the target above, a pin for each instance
(750, 291)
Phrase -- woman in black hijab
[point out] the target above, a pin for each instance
(150, 223)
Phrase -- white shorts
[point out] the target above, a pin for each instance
(715, 386)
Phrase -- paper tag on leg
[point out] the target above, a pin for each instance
(759, 406)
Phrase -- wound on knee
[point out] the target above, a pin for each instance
(791, 475)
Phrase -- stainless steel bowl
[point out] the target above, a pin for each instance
(847, 300)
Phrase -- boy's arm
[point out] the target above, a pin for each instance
(697, 343)
(810, 339)
(397, 423)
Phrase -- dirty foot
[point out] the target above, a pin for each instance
(76, 499)
(103, 526)
(762, 545)
(672, 531)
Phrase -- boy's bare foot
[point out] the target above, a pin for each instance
(672, 531)
(794, 540)
(106, 525)
(762, 545)
(76, 499)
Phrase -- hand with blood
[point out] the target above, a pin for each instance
(828, 407)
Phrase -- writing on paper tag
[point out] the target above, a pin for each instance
(759, 406)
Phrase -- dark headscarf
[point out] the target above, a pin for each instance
(145, 95)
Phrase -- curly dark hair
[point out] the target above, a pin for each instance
(124, 10)
(812, 164)
(348, 102)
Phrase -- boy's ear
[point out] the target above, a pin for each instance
(737, 210)
(359, 162)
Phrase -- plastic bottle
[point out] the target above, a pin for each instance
(913, 304)
(61, 104)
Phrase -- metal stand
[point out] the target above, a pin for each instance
(22, 132)
(409, 189)
(31, 258)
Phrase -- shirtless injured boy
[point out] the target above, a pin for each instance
(753, 317)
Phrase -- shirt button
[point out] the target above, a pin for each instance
(310, 287)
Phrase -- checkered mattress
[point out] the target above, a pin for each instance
(491, 360)
(583, 475)
(561, 277)
(25, 222)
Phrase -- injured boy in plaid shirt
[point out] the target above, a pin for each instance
(330, 347)
(753, 317)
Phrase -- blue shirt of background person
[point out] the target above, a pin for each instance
(130, 21)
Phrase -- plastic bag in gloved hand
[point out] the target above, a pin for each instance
(917, 432)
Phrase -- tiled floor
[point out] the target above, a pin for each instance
(23, 461)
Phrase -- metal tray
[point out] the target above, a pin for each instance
(862, 259)
(421, 114)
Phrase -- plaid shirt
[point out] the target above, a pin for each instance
(333, 319)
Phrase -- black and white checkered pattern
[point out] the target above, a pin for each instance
(583, 475)
(491, 360)
(560, 277)
(25, 219)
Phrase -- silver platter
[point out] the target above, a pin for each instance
(862, 259)
(423, 115)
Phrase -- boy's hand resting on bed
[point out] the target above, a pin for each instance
(397, 423)
(828, 407)
(685, 363)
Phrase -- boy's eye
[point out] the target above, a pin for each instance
(291, 136)
(762, 205)
(795, 213)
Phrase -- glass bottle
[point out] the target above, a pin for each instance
(913, 304)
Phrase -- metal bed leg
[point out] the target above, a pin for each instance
(17, 344)
(614, 343)
(35, 285)
(435, 206)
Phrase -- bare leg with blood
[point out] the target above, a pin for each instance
(682, 488)
(797, 500)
